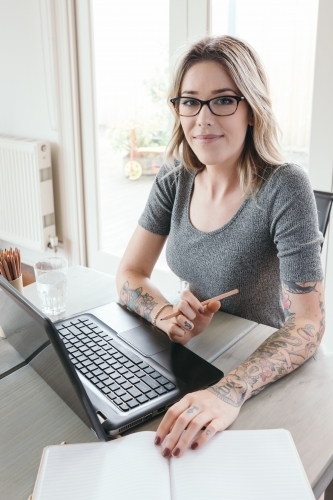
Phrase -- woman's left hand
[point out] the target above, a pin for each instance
(184, 420)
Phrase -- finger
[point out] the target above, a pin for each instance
(182, 422)
(184, 322)
(169, 419)
(176, 331)
(212, 307)
(211, 429)
(192, 300)
(186, 309)
(189, 435)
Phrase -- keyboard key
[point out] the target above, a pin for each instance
(155, 374)
(87, 362)
(106, 390)
(128, 364)
(143, 387)
(151, 394)
(109, 370)
(93, 357)
(149, 370)
(75, 321)
(78, 365)
(93, 367)
(89, 375)
(126, 385)
(134, 380)
(126, 352)
(114, 387)
(85, 329)
(117, 355)
(169, 386)
(134, 369)
(110, 349)
(100, 352)
(132, 403)
(99, 361)
(134, 392)
(102, 377)
(121, 380)
(122, 360)
(127, 374)
(122, 370)
(101, 342)
(106, 356)
(100, 385)
(71, 349)
(108, 381)
(161, 390)
(124, 407)
(162, 380)
(120, 392)
(84, 370)
(78, 343)
(84, 349)
(126, 397)
(140, 374)
(82, 358)
(103, 366)
(149, 381)
(74, 330)
(97, 372)
(118, 401)
(95, 348)
(112, 396)
(142, 399)
(143, 365)
(116, 366)
(90, 343)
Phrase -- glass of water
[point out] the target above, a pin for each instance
(51, 278)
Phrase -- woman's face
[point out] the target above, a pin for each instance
(216, 140)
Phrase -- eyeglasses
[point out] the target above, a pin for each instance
(220, 106)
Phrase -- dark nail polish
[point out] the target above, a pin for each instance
(194, 446)
(166, 453)
(201, 311)
(157, 440)
(176, 452)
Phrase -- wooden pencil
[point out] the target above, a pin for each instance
(205, 302)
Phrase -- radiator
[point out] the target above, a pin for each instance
(26, 193)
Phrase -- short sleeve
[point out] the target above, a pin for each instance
(156, 216)
(294, 227)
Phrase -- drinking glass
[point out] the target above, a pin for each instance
(51, 278)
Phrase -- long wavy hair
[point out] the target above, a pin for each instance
(261, 153)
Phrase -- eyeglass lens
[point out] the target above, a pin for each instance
(220, 106)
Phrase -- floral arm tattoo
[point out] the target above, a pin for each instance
(141, 303)
(284, 351)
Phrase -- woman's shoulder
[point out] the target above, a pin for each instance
(289, 179)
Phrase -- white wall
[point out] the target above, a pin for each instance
(27, 100)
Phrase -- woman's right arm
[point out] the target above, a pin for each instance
(138, 292)
(134, 285)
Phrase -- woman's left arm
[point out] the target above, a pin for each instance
(285, 350)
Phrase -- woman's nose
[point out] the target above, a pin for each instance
(205, 116)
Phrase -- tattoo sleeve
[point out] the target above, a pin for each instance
(284, 351)
(135, 299)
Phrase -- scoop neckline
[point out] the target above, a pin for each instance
(219, 229)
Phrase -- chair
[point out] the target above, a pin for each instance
(324, 204)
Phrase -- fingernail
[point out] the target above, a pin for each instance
(176, 452)
(166, 452)
(194, 446)
(157, 440)
(201, 311)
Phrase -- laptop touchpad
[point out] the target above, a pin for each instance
(143, 340)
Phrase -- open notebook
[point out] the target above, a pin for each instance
(234, 465)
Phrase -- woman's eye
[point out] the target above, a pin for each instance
(224, 101)
(190, 102)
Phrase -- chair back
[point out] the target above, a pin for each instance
(324, 204)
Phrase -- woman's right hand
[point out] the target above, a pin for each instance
(192, 319)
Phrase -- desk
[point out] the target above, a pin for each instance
(302, 402)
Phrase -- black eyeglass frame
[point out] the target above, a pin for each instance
(202, 103)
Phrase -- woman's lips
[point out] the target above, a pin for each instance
(205, 139)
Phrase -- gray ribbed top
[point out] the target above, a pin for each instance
(270, 239)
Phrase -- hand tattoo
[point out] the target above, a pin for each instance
(193, 409)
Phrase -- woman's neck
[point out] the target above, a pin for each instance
(219, 182)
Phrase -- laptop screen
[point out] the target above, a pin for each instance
(36, 340)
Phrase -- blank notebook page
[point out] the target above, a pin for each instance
(242, 465)
(127, 468)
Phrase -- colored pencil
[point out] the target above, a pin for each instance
(218, 297)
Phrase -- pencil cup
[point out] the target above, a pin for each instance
(18, 284)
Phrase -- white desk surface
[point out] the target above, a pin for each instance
(301, 402)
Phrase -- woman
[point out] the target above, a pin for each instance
(235, 216)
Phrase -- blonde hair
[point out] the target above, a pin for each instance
(261, 150)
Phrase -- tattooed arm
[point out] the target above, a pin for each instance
(285, 350)
(137, 291)
(215, 408)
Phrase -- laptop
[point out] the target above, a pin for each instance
(109, 365)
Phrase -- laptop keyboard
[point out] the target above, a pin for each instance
(125, 378)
